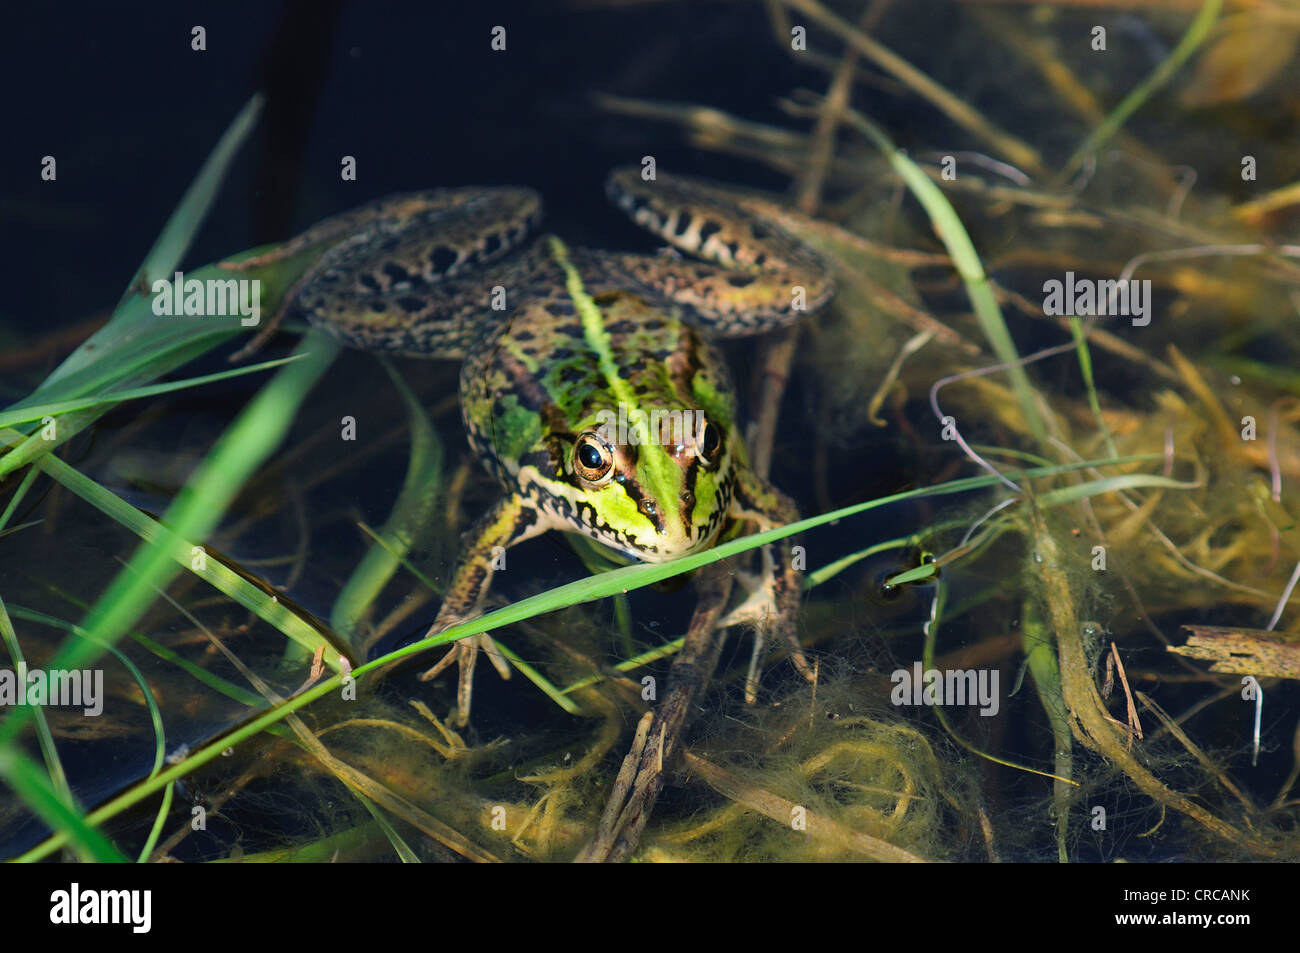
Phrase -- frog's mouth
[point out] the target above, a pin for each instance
(660, 548)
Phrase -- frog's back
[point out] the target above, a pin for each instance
(550, 374)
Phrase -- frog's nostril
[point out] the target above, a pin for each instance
(651, 512)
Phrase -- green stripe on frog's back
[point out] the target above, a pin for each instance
(658, 474)
(593, 325)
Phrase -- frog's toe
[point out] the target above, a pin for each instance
(494, 654)
(761, 609)
(465, 654)
(756, 659)
(442, 664)
(758, 608)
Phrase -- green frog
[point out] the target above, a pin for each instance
(590, 388)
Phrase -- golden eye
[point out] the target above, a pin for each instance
(592, 460)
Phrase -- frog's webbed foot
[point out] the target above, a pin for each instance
(771, 603)
(770, 612)
(465, 654)
(510, 521)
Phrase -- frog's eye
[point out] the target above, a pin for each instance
(711, 441)
(592, 460)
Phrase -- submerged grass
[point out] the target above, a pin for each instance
(624, 579)
(874, 782)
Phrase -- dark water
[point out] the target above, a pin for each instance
(417, 95)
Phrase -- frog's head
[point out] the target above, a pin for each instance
(658, 482)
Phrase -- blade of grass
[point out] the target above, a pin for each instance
(403, 850)
(216, 682)
(1071, 494)
(53, 765)
(30, 784)
(1196, 35)
(172, 242)
(26, 484)
(181, 550)
(253, 436)
(159, 819)
(540, 680)
(137, 346)
(1045, 670)
(948, 226)
(409, 520)
(629, 665)
(10, 418)
(1085, 365)
(833, 569)
(184, 223)
(927, 660)
(49, 752)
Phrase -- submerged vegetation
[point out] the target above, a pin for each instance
(1033, 503)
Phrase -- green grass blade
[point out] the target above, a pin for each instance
(172, 242)
(253, 436)
(409, 520)
(31, 784)
(540, 680)
(28, 479)
(136, 346)
(833, 569)
(948, 226)
(156, 831)
(181, 550)
(1085, 366)
(1196, 35)
(10, 418)
(215, 682)
(403, 850)
(184, 223)
(1072, 494)
(49, 752)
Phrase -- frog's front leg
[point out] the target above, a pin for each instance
(772, 602)
(510, 521)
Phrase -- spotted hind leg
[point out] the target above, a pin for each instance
(758, 277)
(399, 274)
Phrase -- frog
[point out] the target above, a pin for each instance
(592, 385)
